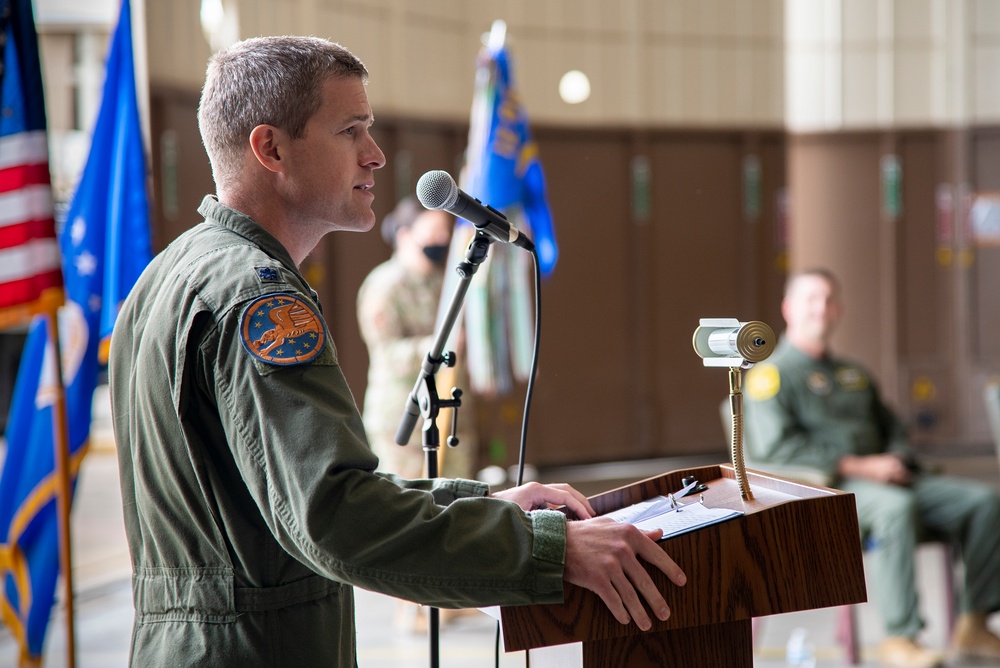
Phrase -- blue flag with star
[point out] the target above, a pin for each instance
(105, 241)
(29, 546)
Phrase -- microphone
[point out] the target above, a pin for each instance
(437, 190)
(729, 342)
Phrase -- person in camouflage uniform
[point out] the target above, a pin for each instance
(251, 501)
(807, 410)
(397, 312)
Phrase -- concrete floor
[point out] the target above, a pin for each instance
(103, 605)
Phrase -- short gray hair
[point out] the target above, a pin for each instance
(265, 81)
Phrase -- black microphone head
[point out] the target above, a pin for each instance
(437, 190)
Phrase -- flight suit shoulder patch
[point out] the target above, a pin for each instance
(763, 382)
(282, 329)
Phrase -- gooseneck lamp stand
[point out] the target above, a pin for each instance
(727, 342)
(425, 401)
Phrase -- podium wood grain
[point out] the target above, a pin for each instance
(797, 547)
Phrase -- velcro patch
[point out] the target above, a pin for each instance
(268, 274)
(282, 329)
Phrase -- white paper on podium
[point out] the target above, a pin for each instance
(664, 512)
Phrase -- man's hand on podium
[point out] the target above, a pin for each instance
(536, 496)
(602, 556)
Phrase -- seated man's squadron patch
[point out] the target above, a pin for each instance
(282, 329)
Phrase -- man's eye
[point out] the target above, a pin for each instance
(349, 131)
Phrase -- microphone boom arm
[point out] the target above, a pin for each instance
(423, 399)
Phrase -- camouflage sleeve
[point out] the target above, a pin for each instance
(381, 323)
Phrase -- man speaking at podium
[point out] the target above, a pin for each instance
(809, 411)
(250, 495)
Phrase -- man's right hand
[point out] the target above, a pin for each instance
(603, 556)
(885, 468)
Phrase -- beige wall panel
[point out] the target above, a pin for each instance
(700, 20)
(860, 21)
(422, 55)
(430, 73)
(538, 65)
(520, 15)
(284, 17)
(617, 99)
(918, 20)
(861, 87)
(663, 19)
(769, 87)
(56, 54)
(72, 12)
(917, 89)
(665, 74)
(733, 21)
(985, 19)
(734, 83)
(986, 92)
(178, 50)
(698, 86)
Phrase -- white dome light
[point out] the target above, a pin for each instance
(574, 87)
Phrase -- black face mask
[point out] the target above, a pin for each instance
(436, 254)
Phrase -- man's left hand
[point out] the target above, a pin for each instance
(534, 496)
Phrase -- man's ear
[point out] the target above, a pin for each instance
(265, 141)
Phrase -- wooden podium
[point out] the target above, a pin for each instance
(796, 547)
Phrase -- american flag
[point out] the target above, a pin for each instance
(30, 274)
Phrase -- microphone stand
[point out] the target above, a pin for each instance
(425, 401)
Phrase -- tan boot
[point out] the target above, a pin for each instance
(903, 652)
(972, 639)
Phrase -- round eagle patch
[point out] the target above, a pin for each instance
(282, 329)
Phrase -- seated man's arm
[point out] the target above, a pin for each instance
(776, 434)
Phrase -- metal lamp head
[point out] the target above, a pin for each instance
(727, 342)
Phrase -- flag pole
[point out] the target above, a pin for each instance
(60, 443)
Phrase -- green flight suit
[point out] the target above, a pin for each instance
(250, 498)
(802, 414)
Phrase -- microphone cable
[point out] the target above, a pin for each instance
(527, 410)
(534, 369)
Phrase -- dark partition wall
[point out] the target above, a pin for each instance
(585, 405)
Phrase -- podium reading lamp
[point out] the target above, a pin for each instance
(727, 342)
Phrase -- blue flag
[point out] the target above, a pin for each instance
(504, 168)
(105, 245)
(105, 241)
(29, 552)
